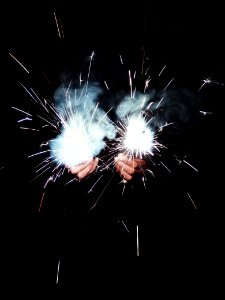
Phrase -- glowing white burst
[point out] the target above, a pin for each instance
(136, 137)
(79, 141)
(81, 128)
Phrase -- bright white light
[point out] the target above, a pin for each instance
(79, 141)
(138, 138)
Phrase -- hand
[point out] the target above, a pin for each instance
(128, 167)
(84, 169)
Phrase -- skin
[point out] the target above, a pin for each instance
(129, 167)
(125, 166)
(83, 170)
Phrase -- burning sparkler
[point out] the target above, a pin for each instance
(81, 128)
(136, 139)
(85, 126)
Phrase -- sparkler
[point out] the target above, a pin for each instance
(136, 139)
(81, 129)
(85, 126)
(79, 124)
(138, 123)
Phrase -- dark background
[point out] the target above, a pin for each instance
(188, 40)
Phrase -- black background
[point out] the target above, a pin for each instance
(188, 40)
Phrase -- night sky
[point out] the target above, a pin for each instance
(188, 41)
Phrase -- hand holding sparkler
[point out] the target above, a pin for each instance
(129, 166)
(135, 143)
(84, 169)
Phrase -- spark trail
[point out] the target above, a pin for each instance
(136, 139)
(78, 125)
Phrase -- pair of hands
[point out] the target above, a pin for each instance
(125, 166)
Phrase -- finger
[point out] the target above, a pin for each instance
(88, 170)
(126, 176)
(121, 157)
(141, 164)
(124, 158)
(132, 162)
(80, 167)
(94, 165)
(137, 164)
(91, 168)
(124, 168)
(121, 169)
